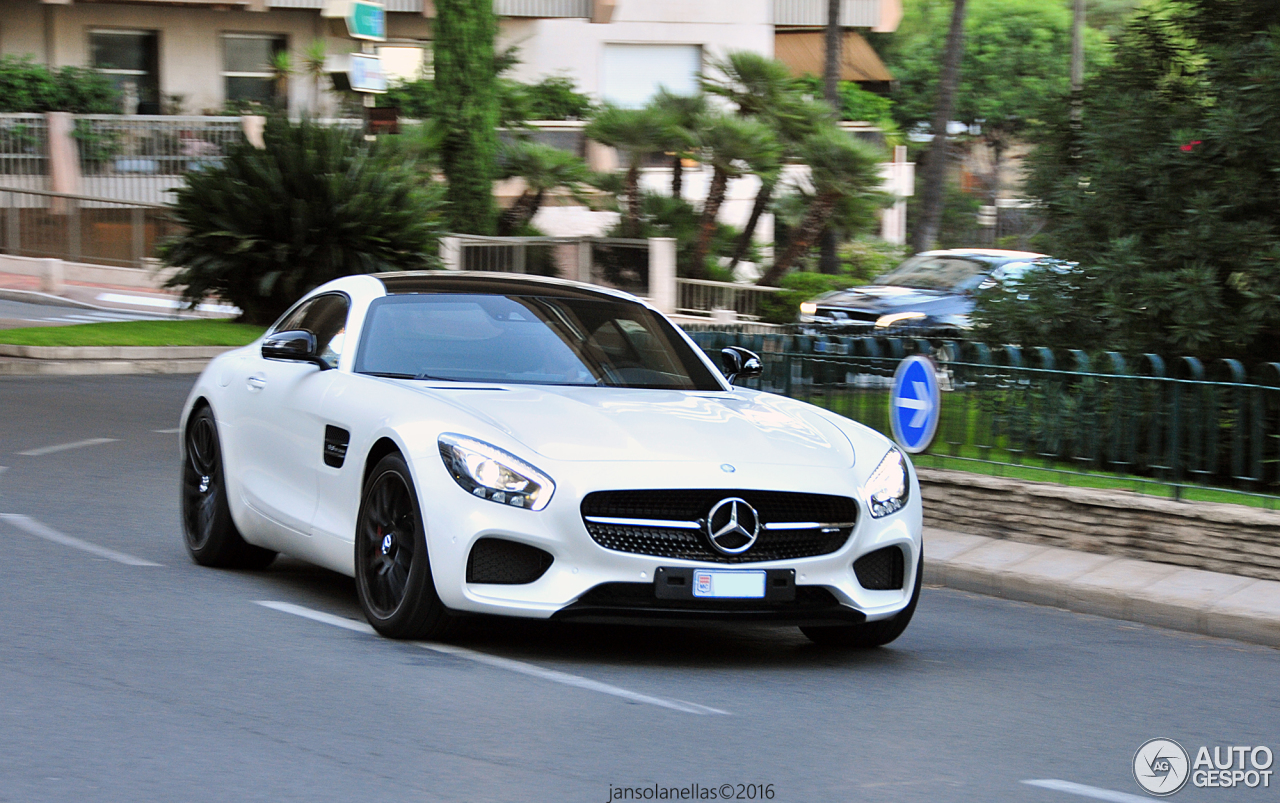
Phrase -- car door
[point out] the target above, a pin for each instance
(279, 431)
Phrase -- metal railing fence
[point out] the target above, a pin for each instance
(24, 151)
(698, 296)
(79, 228)
(622, 264)
(142, 157)
(1183, 428)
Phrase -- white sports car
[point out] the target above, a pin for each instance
(497, 444)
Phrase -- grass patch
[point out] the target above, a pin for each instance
(202, 332)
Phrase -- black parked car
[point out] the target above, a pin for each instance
(930, 294)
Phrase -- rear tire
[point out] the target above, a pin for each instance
(869, 634)
(393, 570)
(208, 530)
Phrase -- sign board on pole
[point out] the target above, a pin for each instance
(365, 19)
(914, 403)
(365, 73)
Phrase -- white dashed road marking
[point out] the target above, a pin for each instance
(173, 431)
(1093, 792)
(62, 447)
(32, 527)
(508, 664)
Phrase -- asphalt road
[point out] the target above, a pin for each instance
(126, 681)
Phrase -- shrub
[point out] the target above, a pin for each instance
(317, 203)
(29, 87)
(797, 287)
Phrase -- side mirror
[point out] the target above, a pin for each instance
(295, 345)
(739, 363)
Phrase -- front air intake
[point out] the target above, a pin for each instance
(503, 562)
(882, 570)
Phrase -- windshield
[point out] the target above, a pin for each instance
(951, 273)
(527, 339)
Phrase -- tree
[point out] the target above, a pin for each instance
(467, 107)
(845, 175)
(544, 169)
(1171, 209)
(634, 133)
(733, 146)
(267, 225)
(935, 167)
(281, 69)
(1016, 62)
(683, 113)
(764, 89)
(33, 88)
(313, 67)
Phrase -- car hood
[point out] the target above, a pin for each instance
(611, 424)
(885, 299)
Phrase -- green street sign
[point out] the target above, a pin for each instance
(366, 20)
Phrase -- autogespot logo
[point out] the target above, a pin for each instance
(1161, 766)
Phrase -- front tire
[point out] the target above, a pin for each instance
(869, 634)
(209, 532)
(393, 570)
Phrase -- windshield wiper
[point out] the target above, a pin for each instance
(388, 374)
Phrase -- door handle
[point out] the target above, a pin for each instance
(257, 382)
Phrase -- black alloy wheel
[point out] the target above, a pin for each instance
(210, 534)
(393, 572)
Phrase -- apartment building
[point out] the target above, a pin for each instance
(196, 55)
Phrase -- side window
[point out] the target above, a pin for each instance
(325, 317)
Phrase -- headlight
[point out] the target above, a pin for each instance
(491, 473)
(885, 321)
(887, 487)
(808, 308)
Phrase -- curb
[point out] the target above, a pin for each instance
(1159, 594)
(92, 360)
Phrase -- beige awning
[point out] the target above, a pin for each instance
(805, 52)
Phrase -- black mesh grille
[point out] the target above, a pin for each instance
(495, 560)
(640, 595)
(881, 570)
(694, 505)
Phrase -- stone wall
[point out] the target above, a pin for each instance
(1227, 538)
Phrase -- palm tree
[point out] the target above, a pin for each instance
(281, 68)
(634, 133)
(682, 113)
(544, 169)
(313, 59)
(733, 146)
(844, 170)
(763, 88)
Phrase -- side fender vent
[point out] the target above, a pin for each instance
(503, 562)
(335, 446)
(882, 570)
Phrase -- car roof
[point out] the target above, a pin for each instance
(493, 283)
(997, 253)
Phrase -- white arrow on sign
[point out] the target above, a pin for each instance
(922, 404)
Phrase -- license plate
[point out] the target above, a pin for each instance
(728, 584)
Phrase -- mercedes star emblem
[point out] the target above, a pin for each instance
(733, 526)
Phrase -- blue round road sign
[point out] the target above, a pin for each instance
(914, 403)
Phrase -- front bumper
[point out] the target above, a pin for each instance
(588, 582)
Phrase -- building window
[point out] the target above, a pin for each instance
(634, 73)
(131, 60)
(247, 71)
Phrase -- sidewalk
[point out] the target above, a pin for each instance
(1212, 604)
(88, 295)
